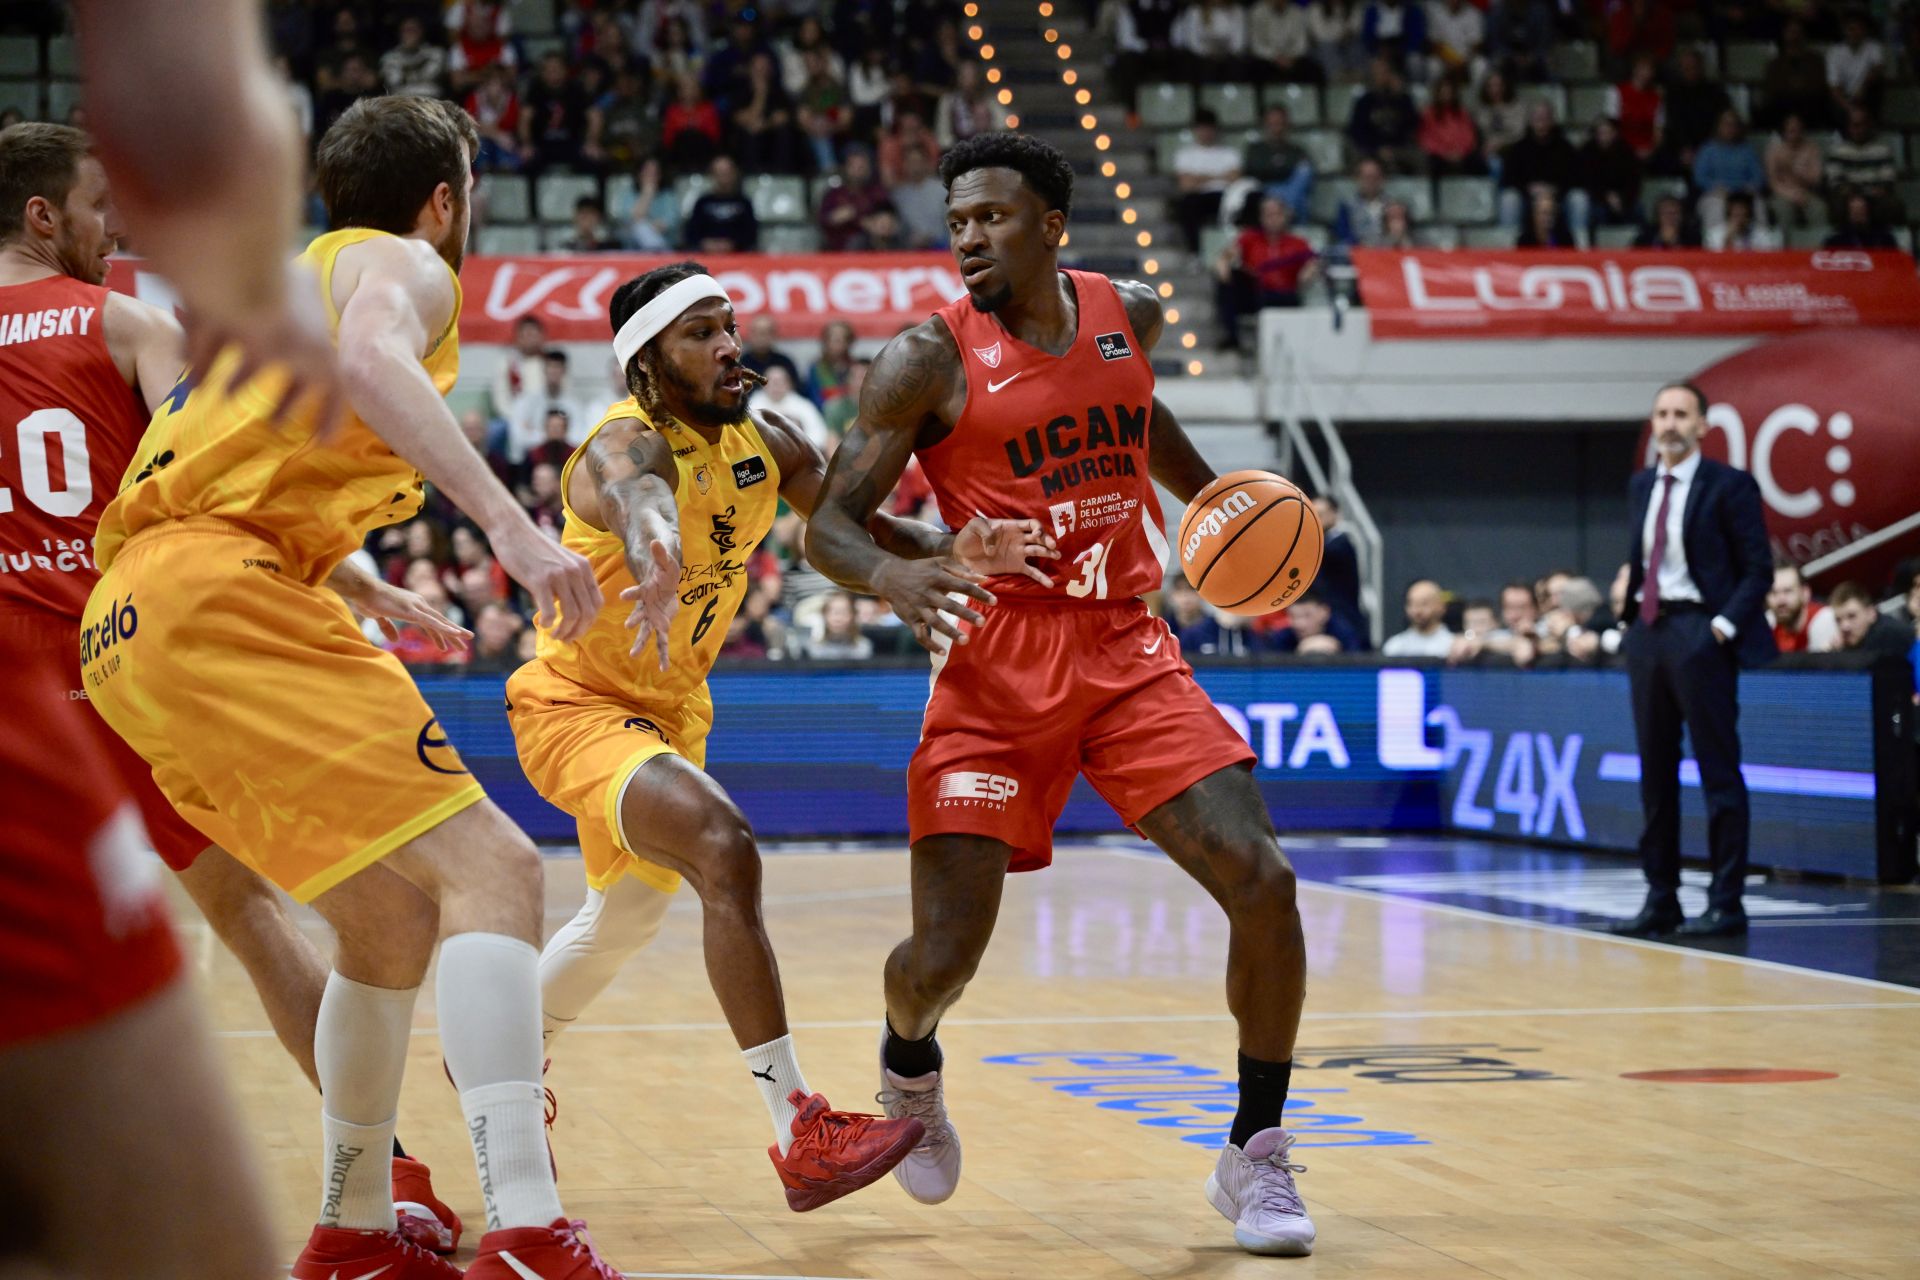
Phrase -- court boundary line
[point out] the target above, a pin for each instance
(1175, 1019)
(1542, 926)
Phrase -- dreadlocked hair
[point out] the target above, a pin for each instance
(642, 377)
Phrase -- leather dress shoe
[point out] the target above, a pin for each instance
(1715, 922)
(1655, 920)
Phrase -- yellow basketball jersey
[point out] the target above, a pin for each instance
(224, 454)
(728, 493)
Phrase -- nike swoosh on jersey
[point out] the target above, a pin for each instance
(1155, 646)
(995, 386)
(520, 1268)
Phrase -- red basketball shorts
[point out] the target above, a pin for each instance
(177, 841)
(83, 927)
(1042, 693)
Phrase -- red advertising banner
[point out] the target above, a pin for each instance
(1554, 293)
(877, 293)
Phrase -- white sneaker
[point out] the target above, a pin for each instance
(1254, 1190)
(931, 1170)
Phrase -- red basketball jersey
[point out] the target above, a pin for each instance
(68, 425)
(1061, 439)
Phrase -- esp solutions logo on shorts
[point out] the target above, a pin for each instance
(976, 790)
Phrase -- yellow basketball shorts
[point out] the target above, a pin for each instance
(580, 747)
(271, 723)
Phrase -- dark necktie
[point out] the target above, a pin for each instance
(1650, 588)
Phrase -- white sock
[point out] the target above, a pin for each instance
(777, 1072)
(585, 953)
(489, 1005)
(360, 1052)
(508, 1126)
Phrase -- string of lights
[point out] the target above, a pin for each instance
(1102, 142)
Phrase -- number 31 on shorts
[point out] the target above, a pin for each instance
(1093, 573)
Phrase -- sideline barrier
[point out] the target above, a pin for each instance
(820, 751)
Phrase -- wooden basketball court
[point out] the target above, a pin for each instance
(1468, 1115)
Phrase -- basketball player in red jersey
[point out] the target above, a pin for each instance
(1034, 394)
(123, 1155)
(81, 370)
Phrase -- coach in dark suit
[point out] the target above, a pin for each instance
(1338, 581)
(1696, 590)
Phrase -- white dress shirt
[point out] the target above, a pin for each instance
(1676, 581)
(1437, 643)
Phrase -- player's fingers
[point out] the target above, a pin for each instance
(954, 584)
(332, 412)
(1036, 575)
(387, 628)
(923, 633)
(661, 636)
(1042, 550)
(948, 624)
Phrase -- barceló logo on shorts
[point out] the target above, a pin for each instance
(118, 623)
(963, 787)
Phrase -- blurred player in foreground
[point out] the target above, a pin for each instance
(1034, 393)
(678, 487)
(277, 728)
(82, 387)
(193, 128)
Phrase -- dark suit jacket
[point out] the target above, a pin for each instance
(1338, 583)
(1724, 531)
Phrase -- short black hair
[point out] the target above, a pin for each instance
(1206, 115)
(639, 291)
(1039, 163)
(1330, 500)
(1479, 602)
(1699, 396)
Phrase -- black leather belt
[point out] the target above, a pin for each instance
(1671, 608)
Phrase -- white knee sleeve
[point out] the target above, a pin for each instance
(587, 951)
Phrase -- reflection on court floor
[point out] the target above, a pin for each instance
(1458, 1093)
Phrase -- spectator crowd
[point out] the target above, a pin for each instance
(1667, 151)
(645, 92)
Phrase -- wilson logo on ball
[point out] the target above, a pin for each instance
(1250, 542)
(1237, 503)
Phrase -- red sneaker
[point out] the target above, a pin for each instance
(837, 1152)
(424, 1218)
(336, 1253)
(560, 1251)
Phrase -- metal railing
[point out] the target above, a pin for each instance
(1309, 432)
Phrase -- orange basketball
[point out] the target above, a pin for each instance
(1250, 542)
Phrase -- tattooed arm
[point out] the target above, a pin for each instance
(985, 546)
(803, 470)
(910, 388)
(1171, 457)
(626, 488)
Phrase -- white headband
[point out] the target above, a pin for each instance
(661, 312)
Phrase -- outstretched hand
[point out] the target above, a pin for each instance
(655, 597)
(931, 597)
(393, 607)
(996, 547)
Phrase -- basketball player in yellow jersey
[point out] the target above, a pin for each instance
(271, 722)
(668, 498)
